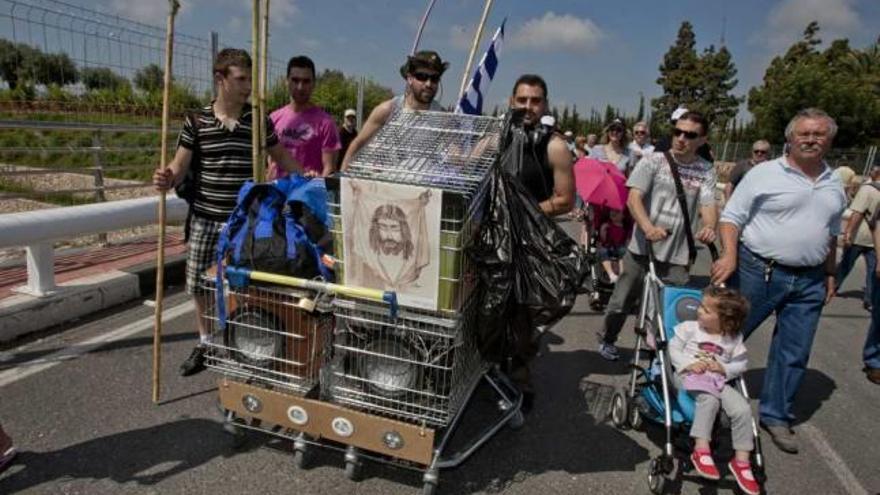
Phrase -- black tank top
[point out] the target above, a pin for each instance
(535, 174)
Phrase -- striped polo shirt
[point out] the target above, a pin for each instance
(224, 160)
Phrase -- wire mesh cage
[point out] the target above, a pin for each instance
(417, 367)
(451, 152)
(274, 335)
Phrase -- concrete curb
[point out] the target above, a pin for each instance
(23, 314)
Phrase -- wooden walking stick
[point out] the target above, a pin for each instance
(256, 144)
(261, 96)
(163, 160)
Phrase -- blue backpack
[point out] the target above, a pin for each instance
(279, 227)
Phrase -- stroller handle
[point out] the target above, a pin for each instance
(649, 250)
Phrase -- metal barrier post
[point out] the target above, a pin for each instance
(99, 177)
(40, 269)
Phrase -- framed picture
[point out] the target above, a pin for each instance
(391, 239)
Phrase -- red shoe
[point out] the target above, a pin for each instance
(705, 466)
(742, 472)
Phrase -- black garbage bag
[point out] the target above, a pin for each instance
(529, 268)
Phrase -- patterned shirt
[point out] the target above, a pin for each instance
(224, 160)
(653, 177)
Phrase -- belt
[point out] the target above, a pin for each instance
(773, 264)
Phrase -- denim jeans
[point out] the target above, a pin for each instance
(796, 299)
(871, 353)
(848, 259)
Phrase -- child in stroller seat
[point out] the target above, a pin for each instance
(706, 354)
(613, 235)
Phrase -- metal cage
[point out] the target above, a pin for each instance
(416, 367)
(275, 336)
(451, 152)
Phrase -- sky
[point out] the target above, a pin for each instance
(591, 53)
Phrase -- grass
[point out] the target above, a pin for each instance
(56, 198)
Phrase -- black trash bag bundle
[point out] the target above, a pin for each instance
(529, 268)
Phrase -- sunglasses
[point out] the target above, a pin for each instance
(687, 134)
(640, 133)
(760, 152)
(422, 77)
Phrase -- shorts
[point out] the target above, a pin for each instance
(606, 253)
(201, 251)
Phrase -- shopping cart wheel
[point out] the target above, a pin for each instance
(237, 435)
(517, 420)
(352, 464)
(430, 478)
(429, 488)
(300, 459)
(619, 409)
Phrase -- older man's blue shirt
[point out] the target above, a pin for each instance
(784, 215)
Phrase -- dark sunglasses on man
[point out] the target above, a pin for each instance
(422, 77)
(690, 135)
(761, 152)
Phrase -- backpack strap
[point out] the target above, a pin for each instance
(682, 203)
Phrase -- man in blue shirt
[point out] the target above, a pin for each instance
(779, 233)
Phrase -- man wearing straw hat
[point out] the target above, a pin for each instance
(219, 137)
(422, 73)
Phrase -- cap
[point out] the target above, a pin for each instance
(350, 113)
(678, 113)
(615, 124)
(426, 59)
(568, 134)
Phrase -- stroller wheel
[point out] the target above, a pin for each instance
(619, 410)
(656, 478)
(634, 416)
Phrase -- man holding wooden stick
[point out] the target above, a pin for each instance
(216, 140)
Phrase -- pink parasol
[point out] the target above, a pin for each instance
(600, 183)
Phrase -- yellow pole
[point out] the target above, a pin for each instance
(163, 163)
(476, 44)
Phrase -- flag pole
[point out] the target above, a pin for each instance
(163, 164)
(422, 26)
(479, 34)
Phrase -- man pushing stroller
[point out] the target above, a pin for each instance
(666, 191)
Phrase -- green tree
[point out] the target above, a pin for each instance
(699, 82)
(102, 78)
(640, 115)
(55, 68)
(566, 119)
(150, 78)
(840, 80)
(21, 63)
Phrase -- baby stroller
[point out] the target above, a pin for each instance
(650, 393)
(601, 286)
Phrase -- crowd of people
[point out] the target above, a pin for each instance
(778, 230)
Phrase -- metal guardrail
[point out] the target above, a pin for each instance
(38, 230)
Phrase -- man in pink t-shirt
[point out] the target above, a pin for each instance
(307, 131)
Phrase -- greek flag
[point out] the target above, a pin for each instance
(472, 100)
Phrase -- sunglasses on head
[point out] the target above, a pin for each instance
(422, 77)
(687, 134)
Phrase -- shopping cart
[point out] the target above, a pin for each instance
(388, 383)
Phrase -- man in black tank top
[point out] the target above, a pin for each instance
(546, 172)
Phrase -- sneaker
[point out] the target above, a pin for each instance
(609, 351)
(742, 473)
(195, 363)
(704, 465)
(782, 436)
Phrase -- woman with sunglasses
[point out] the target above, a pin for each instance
(614, 147)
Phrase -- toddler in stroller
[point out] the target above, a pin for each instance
(692, 341)
(706, 354)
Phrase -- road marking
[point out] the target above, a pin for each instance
(846, 477)
(29, 368)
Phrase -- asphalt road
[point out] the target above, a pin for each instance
(79, 409)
